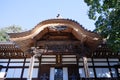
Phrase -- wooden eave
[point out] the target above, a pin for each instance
(26, 39)
(11, 51)
(103, 51)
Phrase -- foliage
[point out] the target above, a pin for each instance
(10, 29)
(107, 16)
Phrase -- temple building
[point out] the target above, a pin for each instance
(58, 49)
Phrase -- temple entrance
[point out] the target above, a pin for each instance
(58, 73)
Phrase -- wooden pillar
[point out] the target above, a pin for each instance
(86, 67)
(78, 75)
(31, 66)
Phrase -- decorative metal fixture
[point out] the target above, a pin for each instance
(58, 28)
(36, 51)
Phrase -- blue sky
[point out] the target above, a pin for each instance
(28, 13)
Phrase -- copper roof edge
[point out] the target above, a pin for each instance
(21, 34)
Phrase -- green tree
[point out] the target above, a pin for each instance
(107, 16)
(10, 29)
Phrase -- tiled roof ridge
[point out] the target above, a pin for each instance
(20, 34)
(6, 42)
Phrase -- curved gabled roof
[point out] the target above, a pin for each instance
(92, 39)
